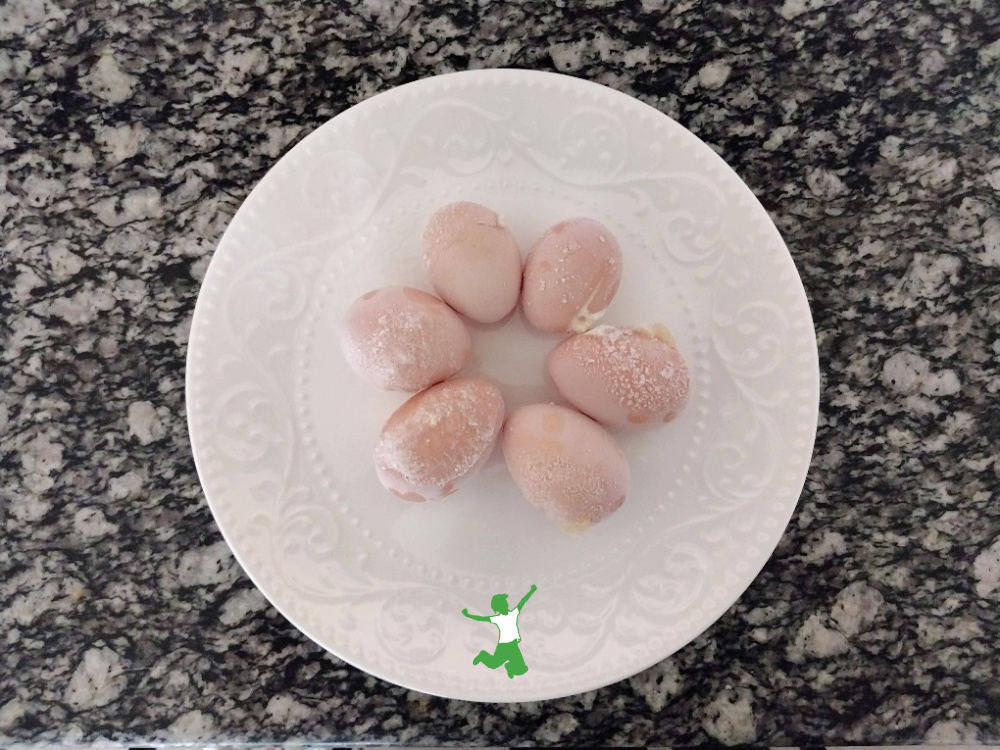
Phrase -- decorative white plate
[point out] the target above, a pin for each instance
(283, 430)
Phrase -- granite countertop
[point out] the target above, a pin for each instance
(130, 132)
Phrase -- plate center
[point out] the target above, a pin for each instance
(512, 355)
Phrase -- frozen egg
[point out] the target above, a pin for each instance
(402, 339)
(565, 464)
(571, 276)
(473, 261)
(621, 376)
(438, 438)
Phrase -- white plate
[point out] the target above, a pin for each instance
(282, 430)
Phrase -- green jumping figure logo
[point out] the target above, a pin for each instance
(507, 651)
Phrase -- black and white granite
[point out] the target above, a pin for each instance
(130, 132)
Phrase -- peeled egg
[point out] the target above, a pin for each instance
(402, 339)
(622, 376)
(438, 438)
(570, 277)
(473, 261)
(565, 464)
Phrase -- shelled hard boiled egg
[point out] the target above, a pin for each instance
(562, 459)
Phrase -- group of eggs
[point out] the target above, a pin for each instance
(562, 459)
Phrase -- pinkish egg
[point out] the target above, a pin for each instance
(473, 261)
(622, 377)
(570, 277)
(565, 464)
(439, 438)
(402, 339)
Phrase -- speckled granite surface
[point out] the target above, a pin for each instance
(129, 135)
